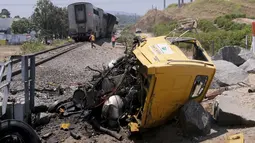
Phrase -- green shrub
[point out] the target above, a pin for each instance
(221, 38)
(226, 33)
(164, 29)
(226, 23)
(172, 5)
(126, 38)
(59, 42)
(206, 26)
(32, 47)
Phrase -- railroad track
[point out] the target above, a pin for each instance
(44, 56)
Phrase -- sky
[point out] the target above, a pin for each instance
(24, 8)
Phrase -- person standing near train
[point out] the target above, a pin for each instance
(92, 39)
(113, 40)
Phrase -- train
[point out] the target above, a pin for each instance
(84, 18)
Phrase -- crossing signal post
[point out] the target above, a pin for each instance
(253, 37)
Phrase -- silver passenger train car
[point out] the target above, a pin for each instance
(85, 18)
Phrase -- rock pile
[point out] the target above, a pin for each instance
(234, 54)
(232, 66)
(228, 74)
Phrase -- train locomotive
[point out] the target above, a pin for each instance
(85, 18)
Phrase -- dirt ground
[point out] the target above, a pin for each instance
(6, 51)
(243, 20)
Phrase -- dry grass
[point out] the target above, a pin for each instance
(6, 51)
(243, 20)
(209, 9)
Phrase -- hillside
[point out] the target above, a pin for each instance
(201, 9)
(151, 18)
(217, 20)
(208, 9)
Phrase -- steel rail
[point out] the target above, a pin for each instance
(45, 51)
(16, 72)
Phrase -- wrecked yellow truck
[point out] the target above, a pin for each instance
(146, 87)
(170, 77)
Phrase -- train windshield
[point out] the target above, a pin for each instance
(80, 13)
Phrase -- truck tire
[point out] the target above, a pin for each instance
(21, 130)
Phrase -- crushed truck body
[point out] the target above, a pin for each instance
(146, 87)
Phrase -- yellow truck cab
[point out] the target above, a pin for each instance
(170, 78)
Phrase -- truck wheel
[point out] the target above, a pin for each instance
(14, 131)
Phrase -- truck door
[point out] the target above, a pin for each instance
(174, 86)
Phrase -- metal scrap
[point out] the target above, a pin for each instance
(76, 136)
(65, 126)
(237, 138)
(111, 133)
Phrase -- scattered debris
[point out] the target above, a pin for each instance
(234, 54)
(76, 136)
(214, 93)
(45, 136)
(42, 119)
(65, 126)
(53, 140)
(40, 108)
(194, 120)
(251, 90)
(109, 132)
(53, 107)
(228, 74)
(249, 66)
(237, 138)
(228, 111)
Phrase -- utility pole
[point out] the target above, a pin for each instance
(179, 3)
(164, 4)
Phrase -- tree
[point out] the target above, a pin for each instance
(43, 17)
(50, 20)
(5, 13)
(60, 23)
(17, 16)
(21, 26)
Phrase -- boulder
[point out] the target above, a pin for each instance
(228, 74)
(214, 84)
(234, 54)
(249, 66)
(194, 120)
(229, 111)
